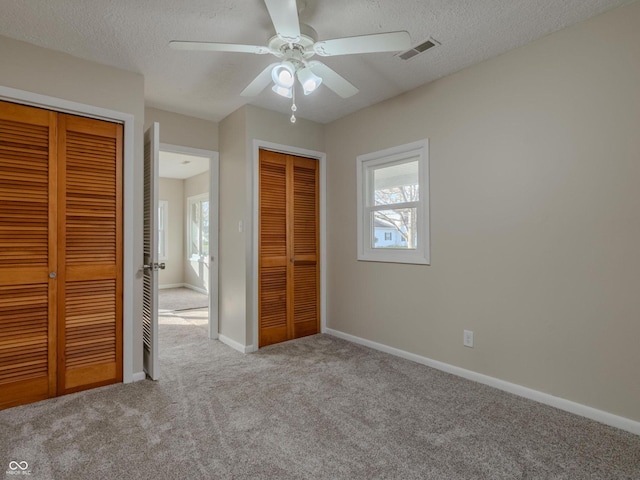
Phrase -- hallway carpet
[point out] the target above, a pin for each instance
(178, 299)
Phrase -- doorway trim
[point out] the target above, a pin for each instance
(302, 152)
(214, 200)
(128, 268)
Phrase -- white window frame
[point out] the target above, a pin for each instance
(190, 201)
(422, 253)
(163, 233)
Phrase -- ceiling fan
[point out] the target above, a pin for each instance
(294, 44)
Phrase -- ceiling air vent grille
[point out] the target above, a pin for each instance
(418, 49)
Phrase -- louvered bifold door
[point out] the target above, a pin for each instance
(305, 247)
(150, 361)
(273, 251)
(27, 254)
(89, 253)
(288, 245)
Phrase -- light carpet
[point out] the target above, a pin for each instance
(178, 299)
(314, 408)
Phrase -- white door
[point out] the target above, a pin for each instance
(214, 172)
(150, 277)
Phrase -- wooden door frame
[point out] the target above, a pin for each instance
(214, 220)
(129, 230)
(321, 157)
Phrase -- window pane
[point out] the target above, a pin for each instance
(161, 230)
(161, 245)
(205, 228)
(161, 216)
(194, 249)
(395, 228)
(396, 183)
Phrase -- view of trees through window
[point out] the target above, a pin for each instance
(395, 187)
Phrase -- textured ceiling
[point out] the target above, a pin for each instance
(133, 35)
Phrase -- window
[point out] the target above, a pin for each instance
(163, 222)
(393, 204)
(198, 230)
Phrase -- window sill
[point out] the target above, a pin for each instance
(388, 257)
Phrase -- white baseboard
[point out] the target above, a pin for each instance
(171, 285)
(235, 345)
(197, 289)
(541, 397)
(138, 376)
(183, 285)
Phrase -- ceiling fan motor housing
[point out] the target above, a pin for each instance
(299, 51)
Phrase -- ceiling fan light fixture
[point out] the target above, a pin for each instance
(309, 80)
(283, 91)
(283, 74)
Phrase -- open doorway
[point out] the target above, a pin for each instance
(187, 237)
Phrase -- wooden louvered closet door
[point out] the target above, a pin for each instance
(60, 254)
(288, 270)
(27, 254)
(89, 253)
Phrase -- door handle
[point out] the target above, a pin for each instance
(53, 275)
(154, 266)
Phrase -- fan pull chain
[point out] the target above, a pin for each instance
(293, 105)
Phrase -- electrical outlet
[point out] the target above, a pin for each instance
(467, 338)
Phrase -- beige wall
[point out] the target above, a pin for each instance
(277, 128)
(233, 191)
(535, 161)
(195, 274)
(172, 190)
(176, 129)
(47, 72)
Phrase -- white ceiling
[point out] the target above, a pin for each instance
(178, 165)
(133, 35)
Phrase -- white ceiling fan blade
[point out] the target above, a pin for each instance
(284, 15)
(378, 42)
(259, 83)
(333, 80)
(218, 47)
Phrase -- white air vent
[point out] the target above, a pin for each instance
(418, 49)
